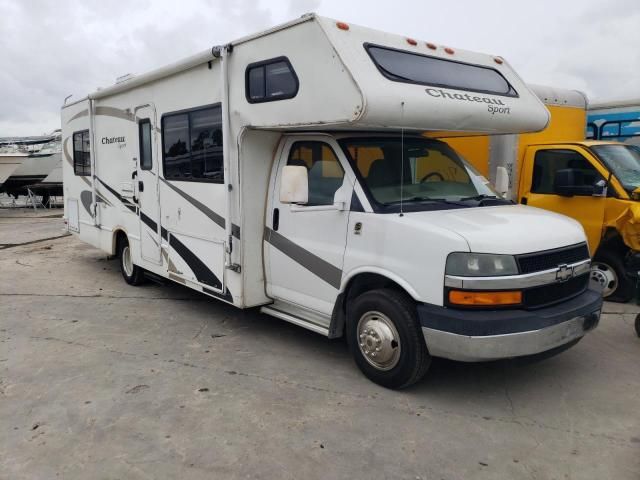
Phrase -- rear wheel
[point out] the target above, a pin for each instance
(132, 274)
(386, 340)
(607, 270)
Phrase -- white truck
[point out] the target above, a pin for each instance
(287, 171)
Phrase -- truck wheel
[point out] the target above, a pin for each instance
(132, 274)
(607, 270)
(638, 325)
(386, 340)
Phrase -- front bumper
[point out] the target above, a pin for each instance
(473, 335)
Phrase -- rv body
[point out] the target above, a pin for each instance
(263, 173)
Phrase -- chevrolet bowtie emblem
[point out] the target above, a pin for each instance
(564, 273)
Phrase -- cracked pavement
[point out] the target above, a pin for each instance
(102, 380)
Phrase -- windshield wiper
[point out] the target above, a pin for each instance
(428, 199)
(481, 196)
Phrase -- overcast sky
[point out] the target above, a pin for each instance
(51, 49)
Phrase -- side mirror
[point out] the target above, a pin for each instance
(569, 182)
(600, 188)
(502, 181)
(294, 185)
(635, 195)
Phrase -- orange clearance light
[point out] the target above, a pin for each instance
(432, 46)
(342, 25)
(498, 60)
(480, 299)
(411, 41)
(450, 51)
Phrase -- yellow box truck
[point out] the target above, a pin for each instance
(595, 182)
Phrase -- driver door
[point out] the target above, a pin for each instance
(541, 165)
(305, 244)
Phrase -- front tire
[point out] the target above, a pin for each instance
(607, 270)
(132, 274)
(386, 340)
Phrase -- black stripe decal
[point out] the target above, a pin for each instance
(316, 265)
(148, 222)
(218, 219)
(197, 266)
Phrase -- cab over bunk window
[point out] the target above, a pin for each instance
(192, 145)
(409, 67)
(324, 170)
(270, 80)
(81, 153)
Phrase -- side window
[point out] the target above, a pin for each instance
(270, 80)
(547, 162)
(81, 153)
(192, 145)
(592, 131)
(144, 132)
(325, 172)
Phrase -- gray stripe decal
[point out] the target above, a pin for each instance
(218, 219)
(83, 113)
(316, 265)
(115, 112)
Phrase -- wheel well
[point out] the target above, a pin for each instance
(118, 237)
(612, 242)
(358, 285)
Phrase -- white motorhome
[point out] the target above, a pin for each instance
(286, 171)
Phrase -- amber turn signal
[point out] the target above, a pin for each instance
(480, 299)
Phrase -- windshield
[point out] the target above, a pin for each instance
(430, 171)
(624, 161)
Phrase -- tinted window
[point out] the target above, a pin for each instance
(548, 162)
(271, 80)
(325, 172)
(146, 161)
(408, 67)
(81, 153)
(192, 144)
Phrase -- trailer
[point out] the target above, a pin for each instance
(287, 171)
(616, 121)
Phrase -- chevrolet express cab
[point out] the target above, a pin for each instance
(287, 171)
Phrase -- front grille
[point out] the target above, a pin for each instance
(548, 294)
(538, 261)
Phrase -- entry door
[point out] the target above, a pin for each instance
(305, 244)
(541, 165)
(146, 184)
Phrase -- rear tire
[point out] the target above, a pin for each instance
(132, 274)
(607, 269)
(638, 325)
(386, 340)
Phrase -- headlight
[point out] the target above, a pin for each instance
(465, 264)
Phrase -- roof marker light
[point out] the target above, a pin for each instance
(432, 46)
(342, 25)
(450, 51)
(411, 41)
(498, 60)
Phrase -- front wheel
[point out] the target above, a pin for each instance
(133, 274)
(386, 340)
(607, 270)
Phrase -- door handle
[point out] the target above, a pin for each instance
(276, 219)
(140, 186)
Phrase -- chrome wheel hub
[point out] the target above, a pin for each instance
(605, 277)
(378, 340)
(127, 263)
